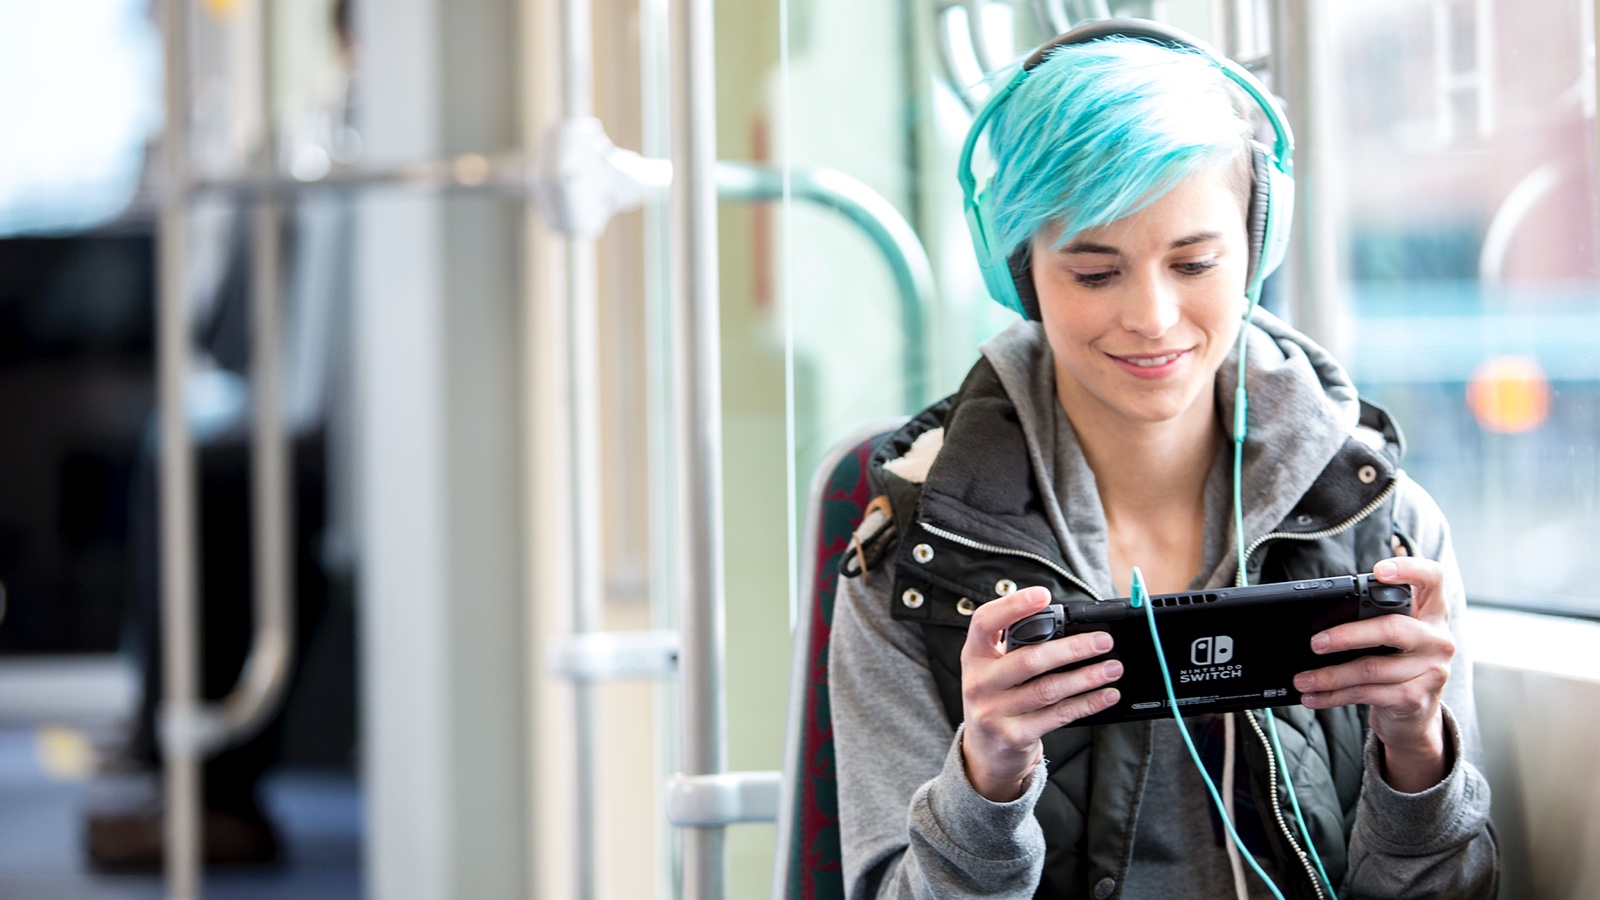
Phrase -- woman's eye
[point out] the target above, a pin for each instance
(1094, 279)
(1198, 267)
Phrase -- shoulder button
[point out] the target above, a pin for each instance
(1104, 888)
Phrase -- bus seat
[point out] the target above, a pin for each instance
(807, 858)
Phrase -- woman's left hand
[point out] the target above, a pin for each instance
(1404, 689)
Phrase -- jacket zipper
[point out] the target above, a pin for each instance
(1006, 551)
(1277, 810)
(1342, 527)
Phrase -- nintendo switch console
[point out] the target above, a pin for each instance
(1231, 648)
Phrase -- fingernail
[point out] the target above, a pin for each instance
(1303, 682)
(1112, 695)
(1101, 641)
(1320, 642)
(1385, 569)
(1113, 669)
(1308, 700)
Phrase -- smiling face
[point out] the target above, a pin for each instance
(1140, 313)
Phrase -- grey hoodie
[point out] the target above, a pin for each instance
(911, 823)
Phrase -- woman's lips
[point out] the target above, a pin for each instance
(1151, 365)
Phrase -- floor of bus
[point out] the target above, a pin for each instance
(41, 856)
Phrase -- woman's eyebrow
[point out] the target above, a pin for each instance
(1198, 237)
(1087, 247)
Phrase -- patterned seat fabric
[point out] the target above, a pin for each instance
(814, 872)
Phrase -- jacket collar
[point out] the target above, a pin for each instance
(1010, 471)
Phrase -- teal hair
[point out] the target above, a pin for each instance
(1100, 130)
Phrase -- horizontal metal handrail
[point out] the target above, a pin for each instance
(515, 175)
(726, 798)
(465, 171)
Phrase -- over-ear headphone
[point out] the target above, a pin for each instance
(1008, 276)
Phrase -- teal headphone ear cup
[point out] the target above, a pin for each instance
(1260, 204)
(997, 269)
(1271, 209)
(1280, 214)
(1021, 266)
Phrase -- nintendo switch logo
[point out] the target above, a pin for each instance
(1211, 651)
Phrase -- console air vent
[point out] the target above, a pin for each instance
(1184, 599)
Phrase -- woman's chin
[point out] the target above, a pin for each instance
(1164, 408)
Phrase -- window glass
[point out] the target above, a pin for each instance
(82, 98)
(1465, 160)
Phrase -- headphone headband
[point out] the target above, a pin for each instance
(1144, 29)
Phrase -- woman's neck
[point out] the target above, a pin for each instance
(1145, 467)
(1151, 477)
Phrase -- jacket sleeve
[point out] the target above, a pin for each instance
(910, 823)
(1438, 843)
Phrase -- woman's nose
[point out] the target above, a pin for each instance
(1151, 307)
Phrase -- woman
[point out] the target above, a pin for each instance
(1134, 213)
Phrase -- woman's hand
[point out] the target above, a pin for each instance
(1007, 708)
(1404, 689)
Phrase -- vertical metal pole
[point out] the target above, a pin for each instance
(271, 497)
(180, 649)
(1483, 34)
(1232, 28)
(655, 97)
(1302, 75)
(1236, 28)
(583, 387)
(698, 383)
(1589, 34)
(1224, 26)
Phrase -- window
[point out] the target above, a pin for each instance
(82, 98)
(1465, 162)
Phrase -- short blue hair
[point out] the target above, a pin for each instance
(1100, 130)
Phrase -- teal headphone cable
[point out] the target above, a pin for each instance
(1240, 420)
(1140, 598)
(1241, 403)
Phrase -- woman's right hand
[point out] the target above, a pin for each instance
(1010, 704)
